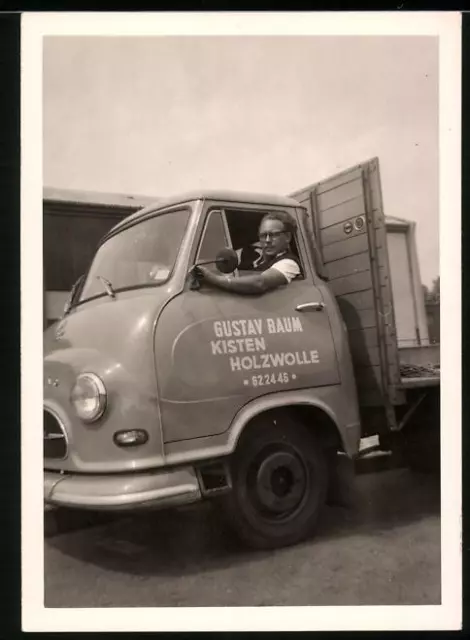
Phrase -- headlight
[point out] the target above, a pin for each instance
(89, 397)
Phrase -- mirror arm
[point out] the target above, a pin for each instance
(204, 262)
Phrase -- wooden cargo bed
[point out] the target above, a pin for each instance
(420, 367)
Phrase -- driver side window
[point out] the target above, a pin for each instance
(243, 226)
(214, 238)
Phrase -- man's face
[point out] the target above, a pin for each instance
(273, 238)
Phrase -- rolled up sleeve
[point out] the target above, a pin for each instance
(289, 268)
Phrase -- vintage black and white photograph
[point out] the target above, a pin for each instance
(241, 322)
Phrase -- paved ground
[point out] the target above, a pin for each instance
(385, 551)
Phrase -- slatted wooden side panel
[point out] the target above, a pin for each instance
(347, 217)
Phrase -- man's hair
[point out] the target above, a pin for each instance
(287, 220)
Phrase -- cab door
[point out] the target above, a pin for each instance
(216, 351)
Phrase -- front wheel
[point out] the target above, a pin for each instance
(280, 477)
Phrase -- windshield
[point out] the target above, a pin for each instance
(141, 255)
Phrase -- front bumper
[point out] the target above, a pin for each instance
(157, 489)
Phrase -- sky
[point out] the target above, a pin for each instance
(162, 115)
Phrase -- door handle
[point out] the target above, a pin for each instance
(310, 306)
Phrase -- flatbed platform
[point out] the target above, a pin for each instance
(422, 381)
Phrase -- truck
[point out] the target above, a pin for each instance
(159, 393)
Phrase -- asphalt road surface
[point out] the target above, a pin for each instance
(384, 551)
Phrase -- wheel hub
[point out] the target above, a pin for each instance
(280, 482)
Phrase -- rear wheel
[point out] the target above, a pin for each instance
(280, 477)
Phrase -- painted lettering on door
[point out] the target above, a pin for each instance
(248, 347)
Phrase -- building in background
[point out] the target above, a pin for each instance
(75, 221)
(410, 313)
(73, 224)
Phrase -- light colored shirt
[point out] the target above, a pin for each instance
(289, 268)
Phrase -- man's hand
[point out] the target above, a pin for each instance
(203, 274)
(195, 278)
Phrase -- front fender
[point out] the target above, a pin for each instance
(91, 447)
(326, 399)
(329, 399)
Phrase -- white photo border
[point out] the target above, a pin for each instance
(35, 617)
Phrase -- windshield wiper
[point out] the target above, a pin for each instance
(108, 287)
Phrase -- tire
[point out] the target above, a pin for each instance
(279, 485)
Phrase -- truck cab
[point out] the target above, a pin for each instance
(158, 393)
(149, 381)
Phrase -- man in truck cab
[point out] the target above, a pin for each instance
(276, 267)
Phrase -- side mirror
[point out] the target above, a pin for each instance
(226, 261)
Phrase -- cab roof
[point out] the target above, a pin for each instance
(216, 195)
(96, 198)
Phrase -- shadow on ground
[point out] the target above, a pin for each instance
(190, 540)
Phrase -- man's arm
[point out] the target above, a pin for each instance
(245, 285)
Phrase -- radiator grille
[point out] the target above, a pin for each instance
(55, 441)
